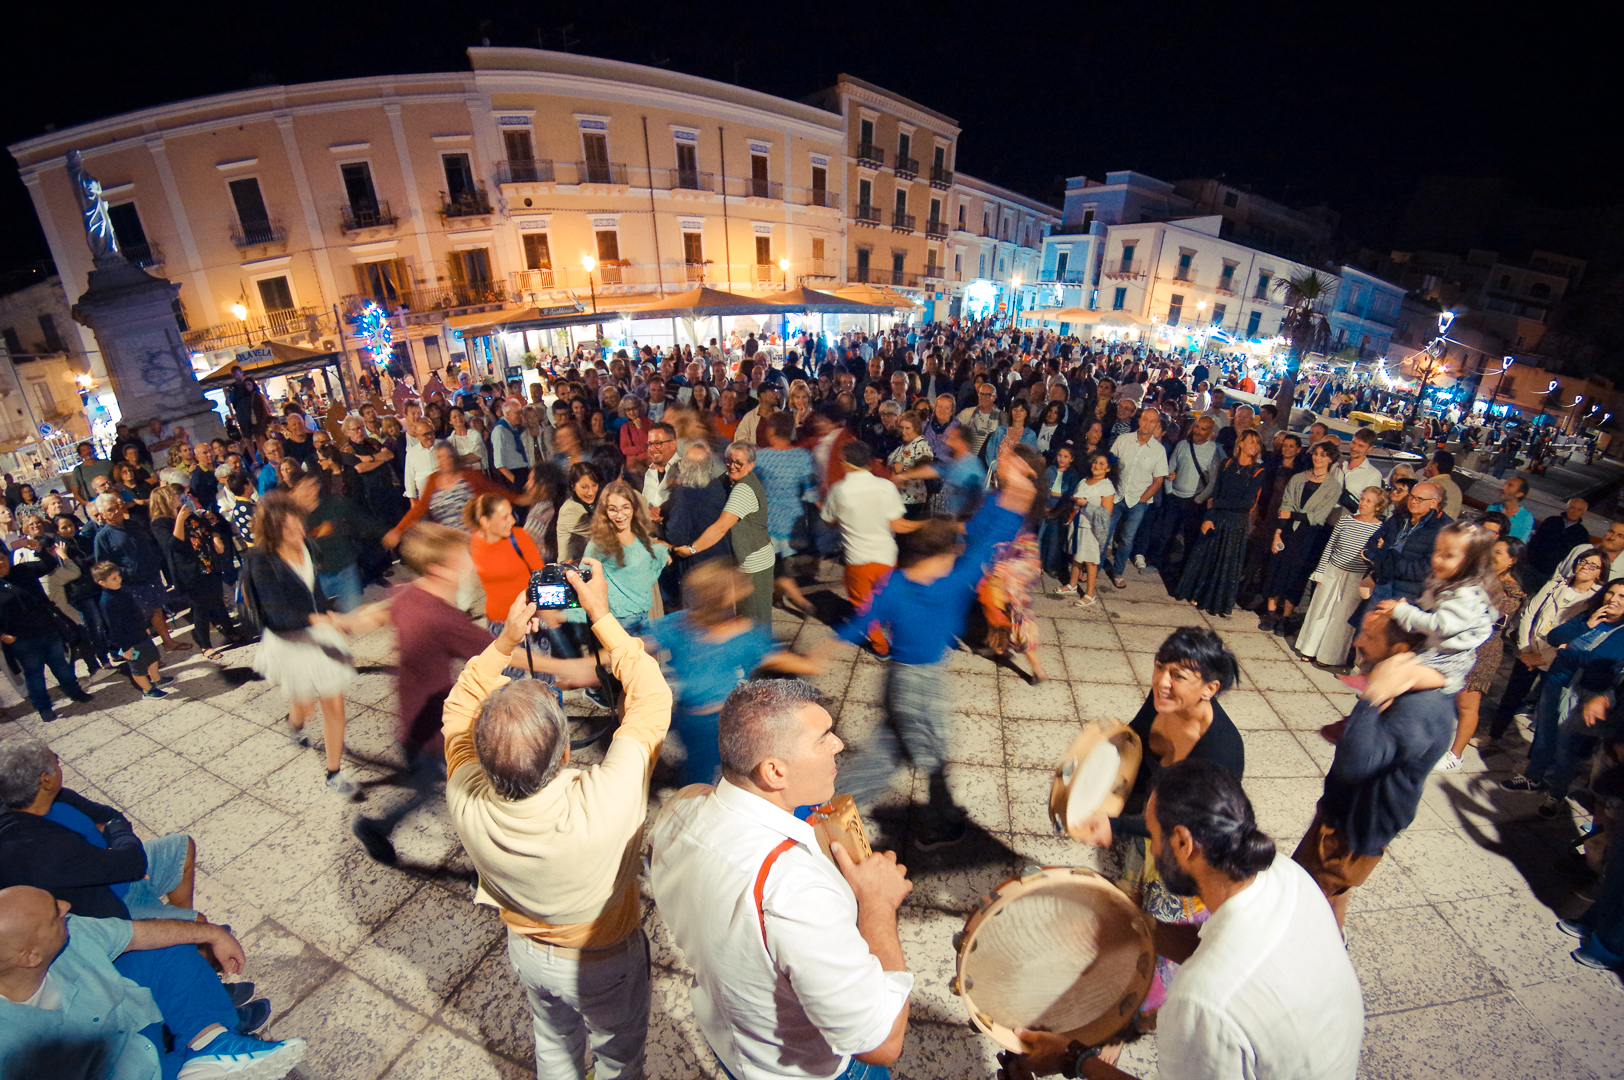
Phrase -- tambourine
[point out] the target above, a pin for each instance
(1096, 773)
(838, 820)
(1059, 949)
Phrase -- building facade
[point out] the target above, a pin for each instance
(45, 362)
(1364, 315)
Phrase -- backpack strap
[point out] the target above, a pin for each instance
(761, 885)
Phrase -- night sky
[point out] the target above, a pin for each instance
(1339, 103)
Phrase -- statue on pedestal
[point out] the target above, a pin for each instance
(98, 225)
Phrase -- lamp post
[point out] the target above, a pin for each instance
(1434, 354)
(1015, 300)
(590, 263)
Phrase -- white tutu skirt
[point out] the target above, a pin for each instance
(306, 670)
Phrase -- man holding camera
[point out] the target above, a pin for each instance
(557, 850)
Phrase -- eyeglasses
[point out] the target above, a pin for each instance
(736, 463)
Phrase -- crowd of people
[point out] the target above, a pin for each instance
(952, 471)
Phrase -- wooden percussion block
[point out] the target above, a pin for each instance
(838, 820)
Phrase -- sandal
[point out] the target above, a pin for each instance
(214, 654)
(179, 646)
(1120, 583)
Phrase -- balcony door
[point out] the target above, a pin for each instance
(250, 204)
(687, 165)
(383, 282)
(518, 146)
(758, 176)
(358, 189)
(609, 257)
(595, 145)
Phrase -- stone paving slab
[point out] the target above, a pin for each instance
(393, 972)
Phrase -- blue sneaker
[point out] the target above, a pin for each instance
(243, 1058)
(154, 692)
(1571, 928)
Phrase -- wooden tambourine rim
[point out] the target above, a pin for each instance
(1102, 1027)
(1128, 748)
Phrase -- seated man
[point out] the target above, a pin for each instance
(82, 852)
(82, 997)
(799, 966)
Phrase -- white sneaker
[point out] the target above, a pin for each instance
(1450, 762)
(1066, 590)
(341, 783)
(1139, 561)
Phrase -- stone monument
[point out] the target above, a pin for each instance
(132, 315)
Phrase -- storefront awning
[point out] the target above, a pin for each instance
(876, 295)
(267, 359)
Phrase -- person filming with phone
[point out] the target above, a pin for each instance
(557, 847)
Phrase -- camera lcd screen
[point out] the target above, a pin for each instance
(552, 596)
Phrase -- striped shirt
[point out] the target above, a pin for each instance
(1346, 549)
(741, 503)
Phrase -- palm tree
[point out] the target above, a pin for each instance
(1304, 326)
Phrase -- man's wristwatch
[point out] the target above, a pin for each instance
(1078, 1053)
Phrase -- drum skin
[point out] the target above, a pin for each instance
(1061, 949)
(1096, 744)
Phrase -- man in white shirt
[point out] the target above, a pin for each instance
(656, 398)
(1362, 473)
(1142, 465)
(1612, 542)
(662, 444)
(1265, 990)
(1220, 416)
(870, 513)
(1203, 400)
(798, 966)
(419, 457)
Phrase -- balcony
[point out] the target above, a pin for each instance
(689, 180)
(1069, 277)
(751, 187)
(823, 197)
(941, 178)
(254, 233)
(695, 273)
(822, 268)
(470, 202)
(936, 230)
(370, 215)
(1184, 276)
(532, 281)
(907, 168)
(870, 156)
(145, 255)
(901, 222)
(934, 273)
(879, 276)
(526, 171)
(253, 330)
(1226, 286)
(866, 215)
(600, 172)
(766, 274)
(1125, 269)
(457, 295)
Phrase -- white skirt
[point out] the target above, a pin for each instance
(306, 670)
(1326, 635)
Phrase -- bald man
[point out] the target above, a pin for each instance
(92, 997)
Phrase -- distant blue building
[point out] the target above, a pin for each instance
(1364, 314)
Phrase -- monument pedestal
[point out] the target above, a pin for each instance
(132, 315)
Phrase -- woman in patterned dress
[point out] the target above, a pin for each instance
(1508, 560)
(913, 452)
(1016, 576)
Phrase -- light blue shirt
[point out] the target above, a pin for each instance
(1522, 522)
(98, 1005)
(631, 587)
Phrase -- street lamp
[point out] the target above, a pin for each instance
(240, 310)
(589, 262)
(783, 268)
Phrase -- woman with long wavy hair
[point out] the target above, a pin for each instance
(622, 539)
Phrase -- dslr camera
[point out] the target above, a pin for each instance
(549, 590)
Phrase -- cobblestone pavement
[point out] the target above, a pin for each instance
(392, 972)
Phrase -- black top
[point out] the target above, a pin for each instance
(278, 595)
(25, 610)
(1552, 540)
(1238, 487)
(1381, 767)
(37, 851)
(1221, 744)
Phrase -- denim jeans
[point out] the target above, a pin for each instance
(1131, 518)
(571, 1000)
(917, 708)
(1605, 918)
(1547, 721)
(34, 655)
(188, 993)
(344, 586)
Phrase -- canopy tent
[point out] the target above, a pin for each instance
(1065, 315)
(875, 295)
(1121, 318)
(704, 302)
(268, 359)
(487, 322)
(821, 303)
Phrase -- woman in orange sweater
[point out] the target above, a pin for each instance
(504, 556)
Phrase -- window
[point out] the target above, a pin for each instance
(1127, 257)
(358, 189)
(897, 259)
(250, 204)
(902, 200)
(865, 193)
(1185, 259)
(764, 250)
(1230, 198)
(1252, 323)
(759, 177)
(961, 215)
(1088, 219)
(127, 230)
(904, 144)
(470, 269)
(53, 340)
(687, 165)
(958, 265)
(693, 249)
(981, 265)
(820, 182)
(383, 281)
(43, 395)
(595, 149)
(1217, 314)
(1119, 300)
(939, 161)
(518, 146)
(817, 248)
(865, 131)
(1505, 281)
(608, 246)
(1539, 290)
(863, 255)
(1226, 277)
(538, 254)
(1262, 286)
(14, 344)
(986, 222)
(459, 177)
(1175, 309)
(1060, 261)
(936, 210)
(275, 294)
(930, 263)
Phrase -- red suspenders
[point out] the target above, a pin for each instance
(761, 884)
